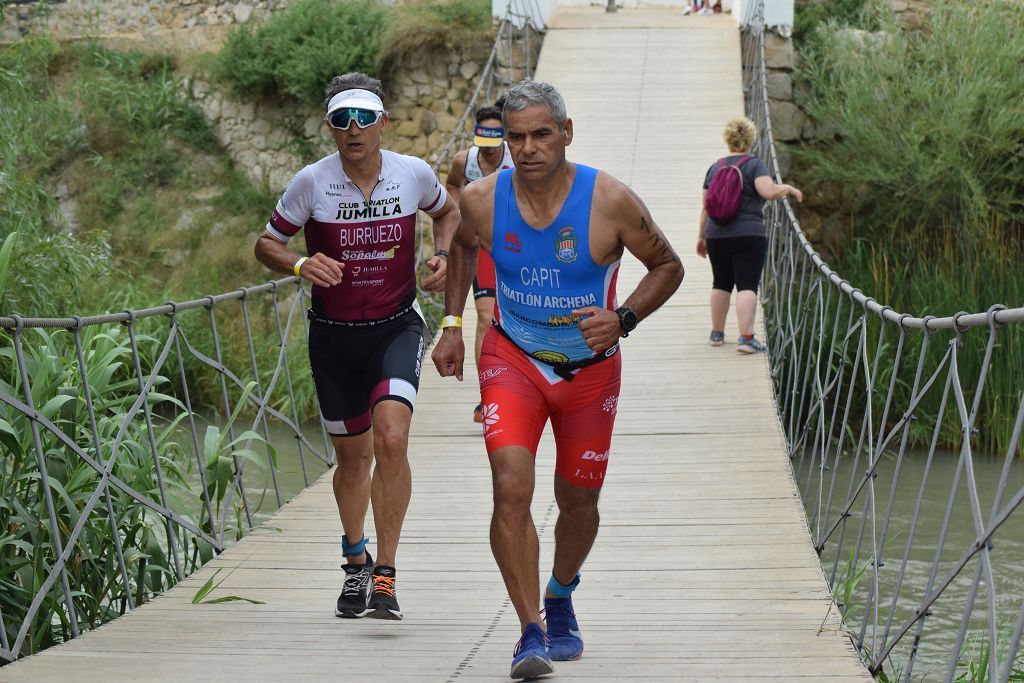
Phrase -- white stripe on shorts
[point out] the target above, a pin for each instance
(402, 388)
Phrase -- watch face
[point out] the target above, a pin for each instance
(628, 319)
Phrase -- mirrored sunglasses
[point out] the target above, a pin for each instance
(343, 118)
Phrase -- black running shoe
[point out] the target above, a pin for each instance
(383, 601)
(356, 591)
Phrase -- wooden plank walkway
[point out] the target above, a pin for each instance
(703, 569)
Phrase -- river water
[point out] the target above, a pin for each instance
(940, 629)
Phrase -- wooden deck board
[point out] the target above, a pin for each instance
(703, 569)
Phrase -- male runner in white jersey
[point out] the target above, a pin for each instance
(358, 208)
(488, 154)
(556, 231)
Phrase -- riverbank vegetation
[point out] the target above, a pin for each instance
(297, 51)
(929, 140)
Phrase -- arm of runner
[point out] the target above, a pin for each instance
(641, 237)
(446, 222)
(319, 269)
(456, 179)
(272, 245)
(450, 351)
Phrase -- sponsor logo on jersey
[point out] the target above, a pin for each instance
(565, 245)
(611, 404)
(550, 356)
(563, 320)
(512, 242)
(366, 270)
(378, 255)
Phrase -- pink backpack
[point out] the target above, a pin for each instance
(725, 192)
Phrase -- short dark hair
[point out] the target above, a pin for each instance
(484, 113)
(350, 81)
(500, 102)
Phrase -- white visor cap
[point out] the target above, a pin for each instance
(355, 98)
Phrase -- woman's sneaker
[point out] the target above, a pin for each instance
(530, 659)
(716, 338)
(750, 345)
(383, 602)
(355, 592)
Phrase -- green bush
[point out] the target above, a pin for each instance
(298, 51)
(930, 124)
(808, 16)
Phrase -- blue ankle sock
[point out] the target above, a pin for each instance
(356, 548)
(560, 590)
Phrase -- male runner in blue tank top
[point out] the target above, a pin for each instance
(556, 232)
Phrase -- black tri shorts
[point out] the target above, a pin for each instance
(356, 367)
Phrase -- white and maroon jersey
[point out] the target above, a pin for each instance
(473, 170)
(374, 237)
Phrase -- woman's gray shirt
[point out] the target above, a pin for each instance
(749, 221)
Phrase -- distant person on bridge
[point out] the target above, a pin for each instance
(736, 245)
(358, 208)
(488, 154)
(556, 231)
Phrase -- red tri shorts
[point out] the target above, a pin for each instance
(518, 399)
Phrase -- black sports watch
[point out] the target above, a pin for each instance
(627, 320)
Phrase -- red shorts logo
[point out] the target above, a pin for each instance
(595, 456)
(490, 412)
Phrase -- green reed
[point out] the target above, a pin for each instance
(930, 144)
(27, 548)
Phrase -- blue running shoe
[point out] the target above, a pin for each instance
(563, 631)
(530, 659)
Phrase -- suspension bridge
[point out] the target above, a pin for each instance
(738, 486)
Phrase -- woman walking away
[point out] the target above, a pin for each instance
(732, 232)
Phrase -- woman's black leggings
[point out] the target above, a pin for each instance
(736, 262)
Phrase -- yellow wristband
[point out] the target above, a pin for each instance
(451, 321)
(297, 268)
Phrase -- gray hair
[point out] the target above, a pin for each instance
(531, 93)
(349, 81)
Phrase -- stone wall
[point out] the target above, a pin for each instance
(79, 18)
(271, 140)
(268, 140)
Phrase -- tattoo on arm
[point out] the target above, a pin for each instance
(657, 242)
